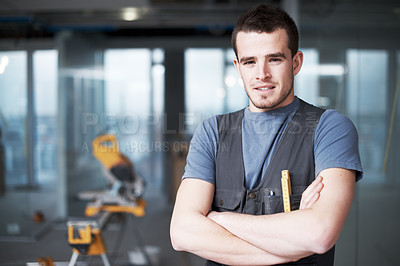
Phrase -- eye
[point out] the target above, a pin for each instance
(250, 62)
(275, 60)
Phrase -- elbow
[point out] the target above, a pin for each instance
(174, 242)
(175, 245)
(322, 246)
(176, 239)
(323, 240)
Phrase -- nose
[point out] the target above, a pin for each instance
(263, 72)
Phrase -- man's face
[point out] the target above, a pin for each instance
(267, 68)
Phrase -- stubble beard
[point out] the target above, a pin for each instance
(264, 104)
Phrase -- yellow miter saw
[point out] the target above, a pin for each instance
(126, 187)
(123, 196)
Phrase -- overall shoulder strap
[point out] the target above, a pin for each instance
(295, 151)
(229, 167)
(229, 123)
(229, 162)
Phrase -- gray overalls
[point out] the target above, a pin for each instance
(295, 152)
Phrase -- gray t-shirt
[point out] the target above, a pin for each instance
(335, 144)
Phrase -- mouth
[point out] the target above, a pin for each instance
(265, 88)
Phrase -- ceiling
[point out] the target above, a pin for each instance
(27, 18)
(44, 18)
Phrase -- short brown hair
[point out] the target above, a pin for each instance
(267, 18)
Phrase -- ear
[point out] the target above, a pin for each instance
(297, 62)
(236, 63)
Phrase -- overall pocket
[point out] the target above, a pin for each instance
(273, 200)
(227, 200)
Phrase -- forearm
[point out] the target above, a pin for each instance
(209, 240)
(302, 232)
(276, 234)
(192, 231)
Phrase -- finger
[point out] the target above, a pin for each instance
(212, 215)
(311, 194)
(310, 190)
(314, 184)
(317, 188)
(312, 200)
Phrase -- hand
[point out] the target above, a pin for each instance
(311, 194)
(213, 215)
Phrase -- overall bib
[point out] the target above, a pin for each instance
(295, 152)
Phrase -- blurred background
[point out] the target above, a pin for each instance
(149, 71)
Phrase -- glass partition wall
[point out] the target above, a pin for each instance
(134, 95)
(107, 90)
(46, 136)
(28, 126)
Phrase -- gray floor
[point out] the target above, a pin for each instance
(370, 235)
(50, 240)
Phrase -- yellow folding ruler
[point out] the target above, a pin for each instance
(286, 190)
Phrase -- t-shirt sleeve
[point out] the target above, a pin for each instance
(336, 144)
(200, 161)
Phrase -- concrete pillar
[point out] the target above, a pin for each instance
(80, 97)
(174, 102)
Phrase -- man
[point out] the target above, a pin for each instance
(235, 161)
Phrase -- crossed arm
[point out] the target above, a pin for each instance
(240, 239)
